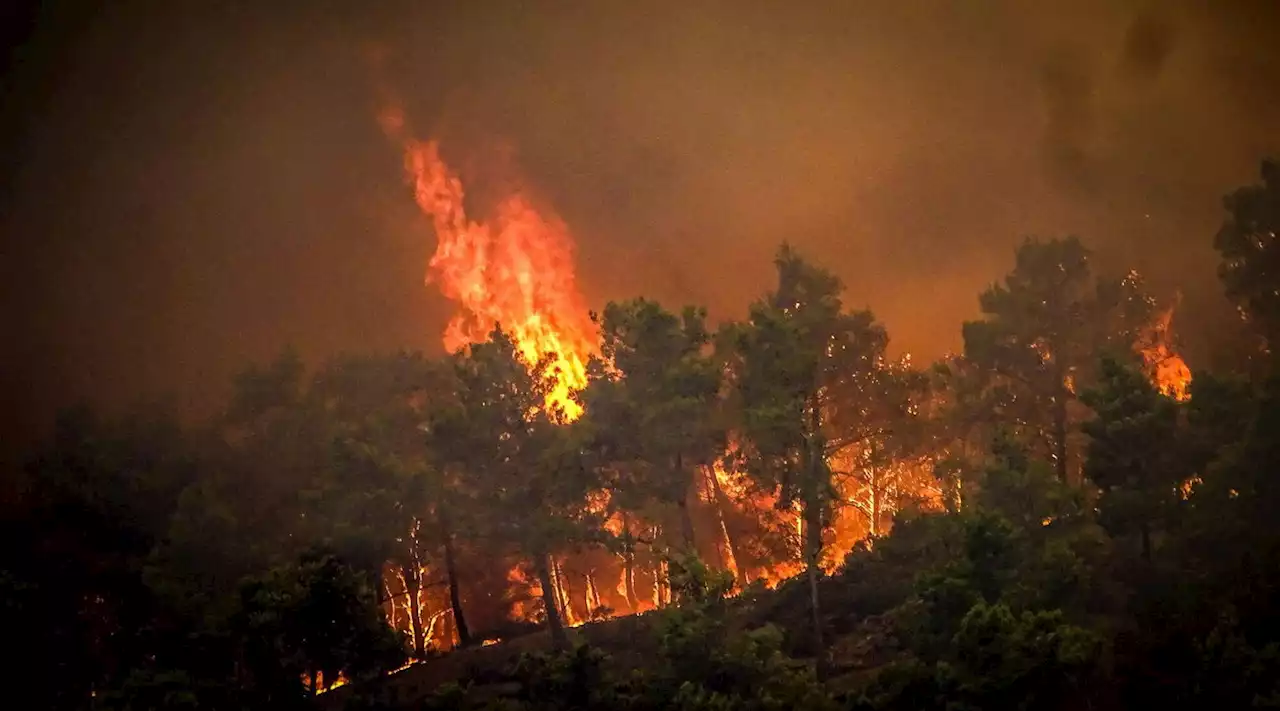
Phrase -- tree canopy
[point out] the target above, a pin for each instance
(801, 516)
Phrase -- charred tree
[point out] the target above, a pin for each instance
(455, 594)
(814, 501)
(719, 503)
(629, 564)
(687, 537)
(412, 574)
(555, 625)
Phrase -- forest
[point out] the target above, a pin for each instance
(766, 513)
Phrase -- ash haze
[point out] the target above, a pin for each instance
(191, 186)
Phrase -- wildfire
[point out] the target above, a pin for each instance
(513, 266)
(515, 269)
(1173, 377)
(1168, 371)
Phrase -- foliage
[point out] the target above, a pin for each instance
(651, 406)
(996, 659)
(1042, 332)
(249, 561)
(1135, 456)
(1250, 254)
(315, 617)
(144, 690)
(521, 461)
(802, 370)
(697, 584)
(701, 664)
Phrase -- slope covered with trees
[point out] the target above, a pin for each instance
(1053, 518)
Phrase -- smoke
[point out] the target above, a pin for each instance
(1068, 85)
(1148, 43)
(1081, 97)
(195, 190)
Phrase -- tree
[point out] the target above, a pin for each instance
(998, 659)
(339, 459)
(1134, 453)
(259, 391)
(518, 455)
(797, 361)
(1041, 333)
(1250, 252)
(887, 466)
(93, 505)
(316, 618)
(274, 442)
(387, 488)
(651, 404)
(1206, 606)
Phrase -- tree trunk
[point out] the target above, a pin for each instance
(686, 519)
(564, 593)
(1146, 541)
(629, 565)
(658, 563)
(629, 571)
(412, 585)
(720, 502)
(455, 595)
(813, 552)
(813, 500)
(1060, 426)
(594, 603)
(662, 582)
(874, 524)
(559, 640)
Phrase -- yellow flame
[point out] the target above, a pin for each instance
(1167, 370)
(515, 269)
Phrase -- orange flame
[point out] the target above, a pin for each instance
(516, 269)
(1167, 370)
(1173, 377)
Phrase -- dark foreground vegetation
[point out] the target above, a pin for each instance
(1088, 537)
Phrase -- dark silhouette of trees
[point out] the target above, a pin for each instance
(1250, 254)
(256, 559)
(1043, 328)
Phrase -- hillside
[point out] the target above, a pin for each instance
(858, 644)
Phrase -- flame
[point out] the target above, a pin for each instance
(513, 266)
(515, 269)
(518, 579)
(1174, 378)
(1167, 370)
(1188, 487)
(717, 482)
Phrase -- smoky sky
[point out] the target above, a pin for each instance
(190, 186)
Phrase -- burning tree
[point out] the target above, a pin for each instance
(511, 445)
(1042, 333)
(1134, 457)
(651, 405)
(793, 359)
(888, 458)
